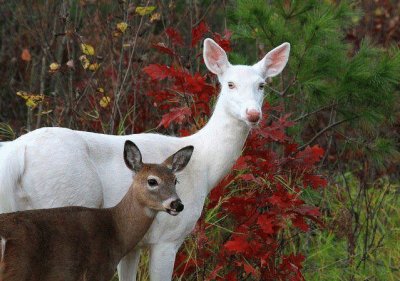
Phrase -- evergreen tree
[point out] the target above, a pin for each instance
(342, 96)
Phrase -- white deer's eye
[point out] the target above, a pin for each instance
(261, 86)
(231, 85)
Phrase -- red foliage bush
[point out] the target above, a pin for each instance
(269, 177)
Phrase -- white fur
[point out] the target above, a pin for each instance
(12, 166)
(149, 212)
(52, 167)
(3, 247)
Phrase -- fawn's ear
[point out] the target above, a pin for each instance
(132, 156)
(274, 62)
(178, 161)
(215, 57)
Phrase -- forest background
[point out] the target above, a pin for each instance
(315, 195)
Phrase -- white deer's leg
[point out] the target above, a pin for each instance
(162, 259)
(128, 266)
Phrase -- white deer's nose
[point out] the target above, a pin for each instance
(253, 115)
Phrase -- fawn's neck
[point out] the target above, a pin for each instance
(132, 220)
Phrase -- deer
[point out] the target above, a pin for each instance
(78, 243)
(36, 170)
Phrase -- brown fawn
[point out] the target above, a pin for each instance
(86, 244)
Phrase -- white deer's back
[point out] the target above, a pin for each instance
(66, 167)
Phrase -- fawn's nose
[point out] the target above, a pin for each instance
(253, 115)
(177, 205)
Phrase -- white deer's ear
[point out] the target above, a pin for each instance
(274, 62)
(215, 57)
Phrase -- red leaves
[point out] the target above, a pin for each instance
(300, 223)
(250, 270)
(276, 131)
(241, 206)
(315, 181)
(176, 115)
(266, 223)
(238, 244)
(309, 156)
(174, 36)
(181, 83)
(198, 32)
(247, 177)
(275, 171)
(308, 211)
(291, 267)
(163, 49)
(224, 41)
(282, 199)
(158, 71)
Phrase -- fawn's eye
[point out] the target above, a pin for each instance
(261, 86)
(231, 85)
(152, 182)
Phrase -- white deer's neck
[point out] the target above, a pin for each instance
(220, 143)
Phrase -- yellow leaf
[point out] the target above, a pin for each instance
(87, 49)
(31, 100)
(100, 90)
(145, 10)
(22, 94)
(94, 66)
(31, 103)
(122, 26)
(54, 67)
(155, 17)
(104, 102)
(37, 98)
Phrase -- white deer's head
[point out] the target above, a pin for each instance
(242, 86)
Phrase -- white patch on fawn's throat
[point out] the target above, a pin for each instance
(149, 212)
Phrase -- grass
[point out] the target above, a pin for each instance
(361, 247)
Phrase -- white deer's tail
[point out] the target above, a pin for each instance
(12, 163)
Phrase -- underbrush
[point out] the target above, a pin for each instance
(360, 240)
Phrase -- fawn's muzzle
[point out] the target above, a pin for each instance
(177, 205)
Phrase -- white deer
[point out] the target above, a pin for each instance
(53, 167)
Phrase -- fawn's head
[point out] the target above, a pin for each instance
(242, 86)
(156, 183)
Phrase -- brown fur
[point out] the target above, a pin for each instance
(76, 243)
(59, 244)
